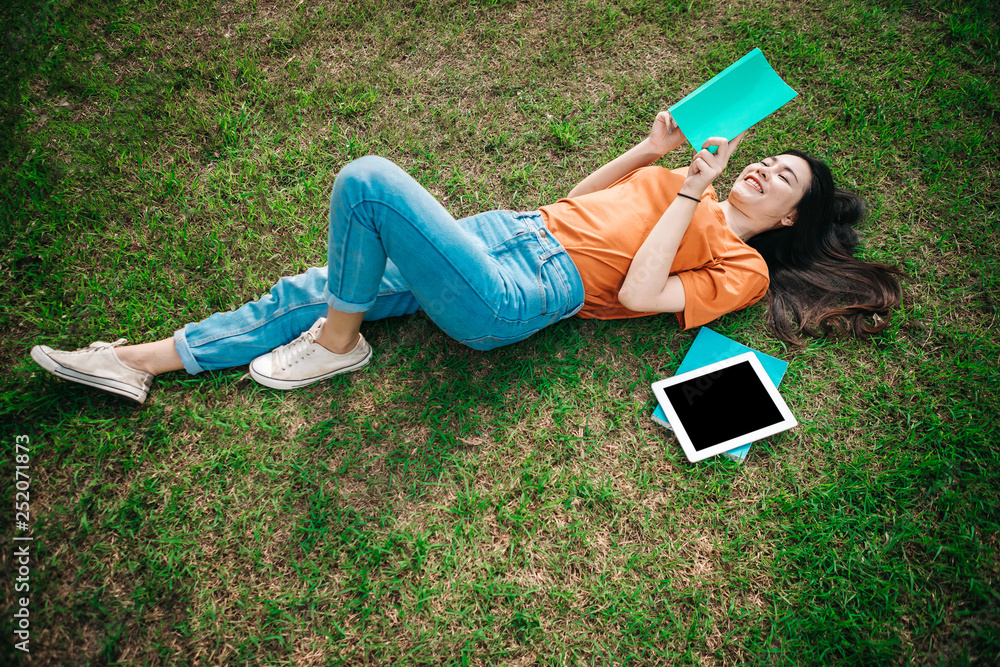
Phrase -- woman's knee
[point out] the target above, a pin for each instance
(364, 173)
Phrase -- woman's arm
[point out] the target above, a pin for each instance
(648, 285)
(664, 137)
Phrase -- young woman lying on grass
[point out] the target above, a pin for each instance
(629, 240)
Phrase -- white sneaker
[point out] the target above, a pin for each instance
(96, 366)
(304, 361)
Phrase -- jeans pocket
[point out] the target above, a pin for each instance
(547, 298)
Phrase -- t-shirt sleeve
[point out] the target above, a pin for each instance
(723, 287)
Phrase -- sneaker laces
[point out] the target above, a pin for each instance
(97, 346)
(287, 355)
(100, 344)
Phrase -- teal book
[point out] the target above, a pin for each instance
(709, 347)
(734, 100)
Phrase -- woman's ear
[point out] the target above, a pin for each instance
(788, 220)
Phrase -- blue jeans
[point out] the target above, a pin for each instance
(487, 281)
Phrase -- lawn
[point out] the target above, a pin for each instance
(161, 160)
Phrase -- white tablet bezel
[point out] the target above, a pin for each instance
(788, 420)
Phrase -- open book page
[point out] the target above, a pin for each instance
(734, 100)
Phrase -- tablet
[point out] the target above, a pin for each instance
(722, 406)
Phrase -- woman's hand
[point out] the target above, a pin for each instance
(706, 165)
(665, 135)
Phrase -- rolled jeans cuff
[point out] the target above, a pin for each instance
(337, 303)
(184, 351)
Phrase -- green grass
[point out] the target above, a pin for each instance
(161, 161)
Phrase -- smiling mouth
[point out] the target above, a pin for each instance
(754, 182)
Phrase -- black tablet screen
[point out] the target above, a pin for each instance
(722, 405)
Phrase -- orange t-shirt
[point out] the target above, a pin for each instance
(603, 230)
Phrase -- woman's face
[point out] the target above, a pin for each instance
(770, 190)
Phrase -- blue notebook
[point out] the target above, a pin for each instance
(709, 347)
(736, 99)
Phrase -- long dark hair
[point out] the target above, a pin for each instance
(817, 286)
